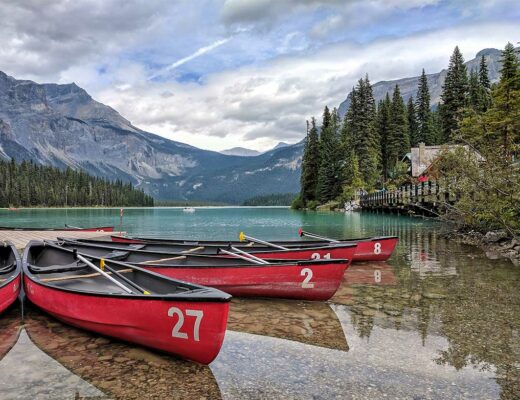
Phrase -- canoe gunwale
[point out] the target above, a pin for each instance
(197, 293)
(18, 269)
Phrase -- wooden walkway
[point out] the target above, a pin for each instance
(426, 198)
(21, 238)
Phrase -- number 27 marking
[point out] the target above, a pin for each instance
(176, 331)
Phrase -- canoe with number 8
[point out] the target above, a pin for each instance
(175, 317)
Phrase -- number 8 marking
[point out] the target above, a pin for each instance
(306, 284)
(377, 248)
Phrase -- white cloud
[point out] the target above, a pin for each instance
(258, 106)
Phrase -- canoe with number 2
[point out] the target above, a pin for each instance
(10, 275)
(126, 302)
(237, 274)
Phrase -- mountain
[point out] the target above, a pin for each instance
(280, 145)
(240, 151)
(408, 86)
(61, 125)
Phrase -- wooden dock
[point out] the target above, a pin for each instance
(426, 198)
(21, 238)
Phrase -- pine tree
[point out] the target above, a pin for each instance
(399, 137)
(329, 174)
(413, 126)
(383, 127)
(453, 96)
(425, 130)
(474, 92)
(483, 73)
(310, 164)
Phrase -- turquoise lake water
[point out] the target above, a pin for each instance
(439, 320)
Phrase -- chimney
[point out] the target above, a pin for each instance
(422, 150)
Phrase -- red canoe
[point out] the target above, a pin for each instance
(336, 251)
(10, 275)
(292, 279)
(368, 249)
(176, 317)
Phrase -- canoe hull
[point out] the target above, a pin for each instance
(9, 293)
(376, 249)
(369, 249)
(192, 330)
(318, 253)
(316, 282)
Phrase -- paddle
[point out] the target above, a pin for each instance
(243, 237)
(100, 271)
(244, 256)
(315, 236)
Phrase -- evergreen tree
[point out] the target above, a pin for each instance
(425, 129)
(453, 96)
(310, 164)
(364, 136)
(413, 126)
(383, 127)
(399, 137)
(329, 174)
(483, 74)
(474, 92)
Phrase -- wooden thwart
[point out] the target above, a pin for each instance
(162, 259)
(192, 250)
(66, 278)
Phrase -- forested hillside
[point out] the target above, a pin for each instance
(30, 185)
(364, 151)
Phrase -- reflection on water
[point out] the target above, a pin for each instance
(437, 321)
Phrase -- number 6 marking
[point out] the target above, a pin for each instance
(377, 248)
(306, 284)
(176, 331)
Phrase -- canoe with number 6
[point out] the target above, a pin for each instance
(126, 302)
(10, 275)
(339, 251)
(291, 279)
(378, 248)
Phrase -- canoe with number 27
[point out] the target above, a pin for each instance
(10, 275)
(291, 279)
(126, 302)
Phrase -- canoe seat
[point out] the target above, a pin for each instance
(74, 266)
(8, 268)
(117, 255)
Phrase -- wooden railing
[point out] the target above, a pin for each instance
(426, 195)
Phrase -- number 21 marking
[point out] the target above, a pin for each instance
(176, 331)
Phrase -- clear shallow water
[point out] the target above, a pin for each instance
(437, 321)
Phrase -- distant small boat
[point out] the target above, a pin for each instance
(67, 228)
(13, 209)
(188, 210)
(10, 272)
(126, 302)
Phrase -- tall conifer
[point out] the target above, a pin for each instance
(454, 92)
(399, 137)
(413, 126)
(310, 164)
(425, 130)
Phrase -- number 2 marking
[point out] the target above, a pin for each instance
(306, 284)
(176, 331)
(377, 248)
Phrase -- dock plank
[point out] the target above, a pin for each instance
(21, 238)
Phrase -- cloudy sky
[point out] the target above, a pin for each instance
(218, 74)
